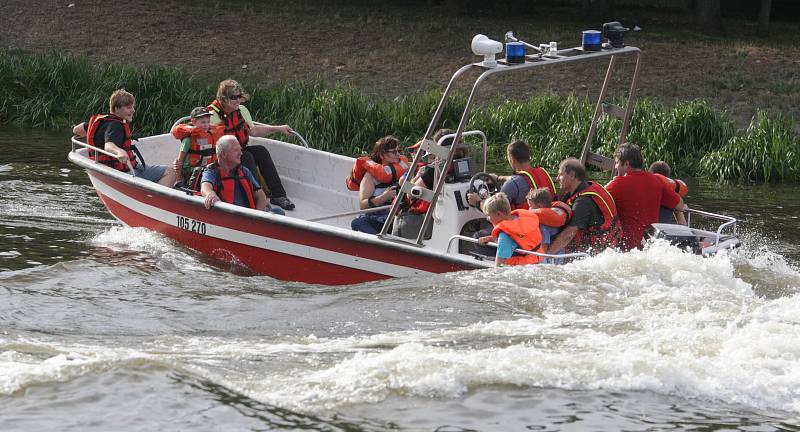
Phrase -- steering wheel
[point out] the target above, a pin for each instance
(483, 184)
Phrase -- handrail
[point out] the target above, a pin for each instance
(523, 251)
(179, 121)
(294, 132)
(729, 221)
(471, 133)
(75, 142)
(350, 213)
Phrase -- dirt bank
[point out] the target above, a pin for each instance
(389, 49)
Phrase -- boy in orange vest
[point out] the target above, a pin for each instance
(518, 229)
(199, 131)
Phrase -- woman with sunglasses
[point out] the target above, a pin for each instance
(386, 151)
(228, 109)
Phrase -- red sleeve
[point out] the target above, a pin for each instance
(669, 198)
(612, 186)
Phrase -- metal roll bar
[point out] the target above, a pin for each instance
(532, 61)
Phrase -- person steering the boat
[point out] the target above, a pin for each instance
(594, 225)
(372, 192)
(639, 195)
(513, 229)
(663, 170)
(112, 133)
(228, 110)
(227, 180)
(524, 179)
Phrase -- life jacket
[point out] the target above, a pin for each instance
(385, 175)
(94, 123)
(226, 185)
(202, 148)
(524, 230)
(676, 184)
(598, 238)
(537, 178)
(556, 216)
(233, 123)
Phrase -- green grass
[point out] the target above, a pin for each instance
(57, 91)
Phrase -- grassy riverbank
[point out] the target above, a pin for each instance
(56, 91)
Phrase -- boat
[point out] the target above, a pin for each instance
(314, 243)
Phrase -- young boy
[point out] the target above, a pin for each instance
(552, 217)
(518, 229)
(198, 141)
(112, 133)
(665, 215)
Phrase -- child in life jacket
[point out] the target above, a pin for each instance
(198, 141)
(552, 217)
(666, 215)
(517, 229)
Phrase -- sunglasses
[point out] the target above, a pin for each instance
(392, 151)
(235, 97)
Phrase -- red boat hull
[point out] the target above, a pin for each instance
(281, 247)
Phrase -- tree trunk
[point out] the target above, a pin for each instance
(763, 16)
(707, 15)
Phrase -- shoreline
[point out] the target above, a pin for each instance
(390, 50)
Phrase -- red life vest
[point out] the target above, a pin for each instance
(94, 123)
(675, 184)
(524, 230)
(556, 216)
(597, 238)
(385, 175)
(202, 148)
(233, 122)
(226, 185)
(537, 178)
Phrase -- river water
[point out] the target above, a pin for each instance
(110, 328)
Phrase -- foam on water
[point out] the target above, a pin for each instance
(656, 320)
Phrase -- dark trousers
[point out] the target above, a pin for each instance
(370, 223)
(258, 155)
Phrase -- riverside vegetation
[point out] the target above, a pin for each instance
(56, 91)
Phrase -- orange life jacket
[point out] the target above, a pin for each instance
(233, 122)
(677, 185)
(202, 148)
(524, 230)
(385, 175)
(537, 178)
(226, 185)
(556, 216)
(94, 122)
(597, 238)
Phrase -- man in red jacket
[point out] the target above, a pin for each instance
(639, 195)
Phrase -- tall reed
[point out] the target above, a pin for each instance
(56, 91)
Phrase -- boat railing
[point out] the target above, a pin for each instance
(350, 213)
(728, 222)
(75, 143)
(522, 251)
(294, 132)
(479, 133)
